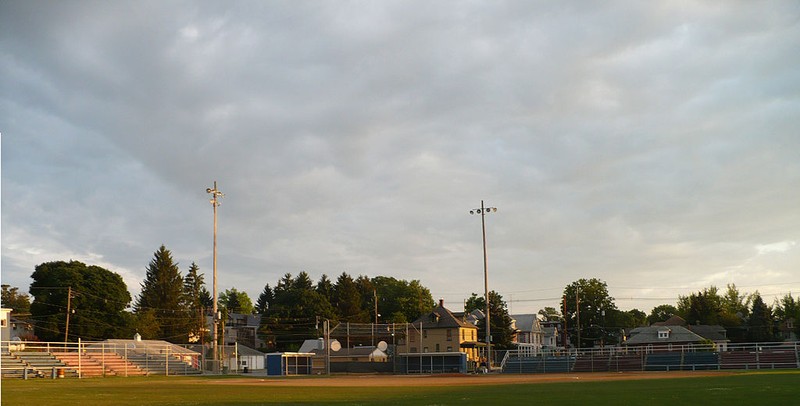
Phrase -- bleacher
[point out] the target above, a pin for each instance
(538, 364)
(11, 366)
(160, 365)
(739, 359)
(99, 364)
(698, 361)
(663, 361)
(626, 362)
(592, 363)
(44, 364)
(778, 359)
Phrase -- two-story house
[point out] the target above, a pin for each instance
(441, 331)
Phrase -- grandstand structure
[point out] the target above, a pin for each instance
(781, 355)
(96, 359)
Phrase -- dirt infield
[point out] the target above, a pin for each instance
(447, 380)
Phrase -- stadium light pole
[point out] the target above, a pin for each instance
(215, 194)
(482, 211)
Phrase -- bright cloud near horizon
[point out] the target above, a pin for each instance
(652, 145)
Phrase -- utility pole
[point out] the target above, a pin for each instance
(482, 211)
(564, 332)
(69, 310)
(215, 193)
(578, 315)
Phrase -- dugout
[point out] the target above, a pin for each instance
(289, 363)
(432, 363)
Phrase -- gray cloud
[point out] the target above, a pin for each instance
(652, 146)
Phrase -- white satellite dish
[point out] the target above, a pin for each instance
(383, 346)
(335, 346)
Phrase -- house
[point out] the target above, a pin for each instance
(664, 337)
(441, 331)
(529, 335)
(714, 333)
(552, 334)
(240, 329)
(5, 324)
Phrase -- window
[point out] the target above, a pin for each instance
(3, 322)
(424, 333)
(449, 349)
(663, 334)
(449, 334)
(425, 349)
(463, 333)
(437, 347)
(413, 338)
(413, 349)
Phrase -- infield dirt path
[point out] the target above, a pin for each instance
(447, 380)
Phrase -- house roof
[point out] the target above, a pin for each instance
(247, 351)
(362, 351)
(672, 321)
(440, 317)
(527, 323)
(150, 345)
(714, 333)
(649, 335)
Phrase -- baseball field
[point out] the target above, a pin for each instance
(645, 388)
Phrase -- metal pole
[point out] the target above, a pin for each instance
(215, 193)
(486, 292)
(578, 316)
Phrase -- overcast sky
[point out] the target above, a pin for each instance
(654, 145)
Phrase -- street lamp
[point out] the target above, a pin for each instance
(482, 211)
(215, 194)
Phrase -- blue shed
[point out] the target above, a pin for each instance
(289, 363)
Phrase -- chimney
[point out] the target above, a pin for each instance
(441, 302)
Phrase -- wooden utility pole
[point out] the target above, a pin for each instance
(69, 310)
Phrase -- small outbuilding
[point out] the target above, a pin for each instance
(289, 363)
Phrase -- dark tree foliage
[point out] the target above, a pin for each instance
(235, 301)
(499, 319)
(347, 300)
(97, 305)
(264, 300)
(661, 313)
(400, 301)
(585, 316)
(294, 314)
(759, 325)
(19, 303)
(162, 293)
(325, 288)
(193, 285)
(787, 317)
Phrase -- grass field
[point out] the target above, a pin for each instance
(737, 389)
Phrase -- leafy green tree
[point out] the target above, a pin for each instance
(97, 303)
(501, 331)
(788, 309)
(661, 313)
(12, 299)
(586, 300)
(703, 307)
(162, 292)
(550, 314)
(235, 301)
(401, 300)
(760, 322)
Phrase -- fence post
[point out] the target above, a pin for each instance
(80, 360)
(166, 362)
(125, 351)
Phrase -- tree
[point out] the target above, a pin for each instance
(95, 297)
(264, 300)
(586, 300)
(347, 299)
(661, 313)
(325, 287)
(12, 299)
(703, 307)
(235, 301)
(401, 301)
(162, 292)
(500, 321)
(787, 313)
(293, 315)
(193, 286)
(759, 324)
(550, 314)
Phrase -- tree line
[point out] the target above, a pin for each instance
(72, 299)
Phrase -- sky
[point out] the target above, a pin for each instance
(653, 145)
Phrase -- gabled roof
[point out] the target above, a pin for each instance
(440, 317)
(714, 333)
(649, 335)
(527, 323)
(672, 321)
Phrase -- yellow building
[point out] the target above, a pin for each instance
(441, 331)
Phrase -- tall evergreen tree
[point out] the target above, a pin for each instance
(162, 292)
(347, 299)
(193, 285)
(759, 324)
(264, 300)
